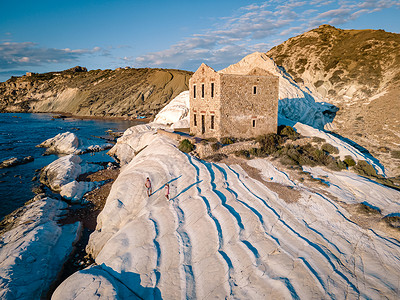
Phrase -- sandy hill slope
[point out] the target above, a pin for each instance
(120, 92)
(359, 72)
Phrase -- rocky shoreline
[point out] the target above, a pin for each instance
(79, 189)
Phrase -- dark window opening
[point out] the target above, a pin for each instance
(212, 122)
(212, 89)
(202, 90)
(254, 123)
(194, 120)
(203, 124)
(254, 90)
(194, 91)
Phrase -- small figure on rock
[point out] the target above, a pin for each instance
(148, 186)
(166, 189)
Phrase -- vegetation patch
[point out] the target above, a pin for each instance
(395, 154)
(243, 154)
(393, 221)
(317, 139)
(318, 83)
(329, 149)
(227, 140)
(216, 157)
(186, 146)
(365, 169)
(349, 161)
(288, 131)
(215, 146)
(368, 209)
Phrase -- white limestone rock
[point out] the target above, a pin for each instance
(69, 143)
(175, 113)
(75, 190)
(132, 142)
(92, 283)
(33, 251)
(62, 173)
(225, 234)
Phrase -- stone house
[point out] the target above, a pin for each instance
(232, 105)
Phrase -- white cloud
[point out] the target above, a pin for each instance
(254, 28)
(16, 55)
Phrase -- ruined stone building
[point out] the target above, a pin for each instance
(232, 105)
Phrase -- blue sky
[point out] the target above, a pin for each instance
(42, 36)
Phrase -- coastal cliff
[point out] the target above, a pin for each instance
(111, 93)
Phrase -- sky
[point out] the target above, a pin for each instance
(44, 36)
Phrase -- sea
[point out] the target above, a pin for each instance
(20, 133)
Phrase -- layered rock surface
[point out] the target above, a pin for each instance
(62, 173)
(225, 234)
(34, 249)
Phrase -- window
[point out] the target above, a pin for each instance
(202, 90)
(212, 89)
(254, 91)
(194, 91)
(212, 122)
(254, 123)
(194, 120)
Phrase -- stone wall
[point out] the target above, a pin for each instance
(206, 106)
(245, 114)
(236, 108)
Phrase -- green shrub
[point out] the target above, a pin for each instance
(317, 139)
(227, 140)
(215, 146)
(243, 153)
(329, 148)
(365, 169)
(255, 152)
(395, 154)
(288, 131)
(336, 165)
(269, 143)
(349, 161)
(186, 146)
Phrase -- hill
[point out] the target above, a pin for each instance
(359, 72)
(120, 92)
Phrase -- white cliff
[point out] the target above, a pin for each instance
(33, 251)
(225, 234)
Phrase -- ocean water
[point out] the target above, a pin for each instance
(20, 133)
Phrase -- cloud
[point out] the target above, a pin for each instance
(255, 27)
(27, 54)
